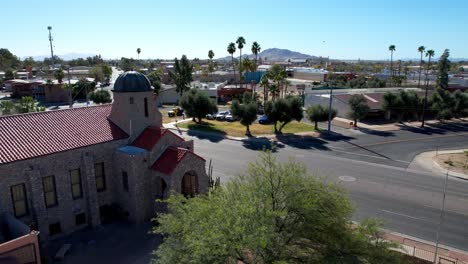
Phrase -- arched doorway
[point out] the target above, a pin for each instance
(163, 188)
(189, 184)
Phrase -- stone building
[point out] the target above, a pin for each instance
(67, 169)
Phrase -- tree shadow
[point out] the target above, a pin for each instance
(302, 142)
(377, 132)
(334, 136)
(427, 130)
(261, 143)
(205, 131)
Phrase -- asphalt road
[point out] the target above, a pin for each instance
(380, 184)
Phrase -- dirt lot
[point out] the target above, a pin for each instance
(457, 162)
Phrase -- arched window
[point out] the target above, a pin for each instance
(146, 107)
(189, 184)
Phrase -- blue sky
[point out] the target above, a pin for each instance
(345, 29)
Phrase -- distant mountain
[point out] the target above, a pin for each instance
(67, 56)
(274, 54)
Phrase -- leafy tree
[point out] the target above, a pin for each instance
(127, 64)
(211, 54)
(255, 50)
(26, 104)
(461, 104)
(240, 45)
(182, 74)
(376, 83)
(57, 60)
(277, 74)
(318, 113)
(443, 67)
(9, 75)
(7, 107)
(271, 213)
(358, 106)
(231, 49)
(29, 62)
(442, 104)
(106, 71)
(8, 61)
(265, 83)
(59, 75)
(155, 80)
(391, 48)
(283, 111)
(83, 87)
(421, 50)
(391, 103)
(100, 97)
(246, 112)
(197, 104)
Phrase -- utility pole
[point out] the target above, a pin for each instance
(70, 98)
(330, 110)
(442, 213)
(51, 47)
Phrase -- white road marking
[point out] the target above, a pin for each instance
(395, 213)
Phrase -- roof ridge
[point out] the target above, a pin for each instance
(53, 111)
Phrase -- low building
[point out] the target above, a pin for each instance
(69, 169)
(39, 90)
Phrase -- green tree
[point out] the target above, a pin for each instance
(7, 107)
(211, 54)
(443, 68)
(283, 111)
(100, 97)
(8, 61)
(246, 112)
(277, 74)
(265, 83)
(442, 104)
(240, 45)
(197, 104)
(59, 75)
(127, 64)
(29, 62)
(391, 48)
(421, 50)
(271, 213)
(9, 75)
(358, 107)
(231, 49)
(461, 104)
(210, 63)
(318, 113)
(182, 74)
(26, 104)
(391, 103)
(429, 54)
(255, 50)
(155, 80)
(138, 53)
(96, 73)
(106, 71)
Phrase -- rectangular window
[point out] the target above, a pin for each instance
(80, 219)
(20, 202)
(50, 193)
(100, 176)
(55, 228)
(146, 107)
(125, 180)
(75, 179)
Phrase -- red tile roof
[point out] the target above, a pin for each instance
(150, 136)
(32, 135)
(169, 160)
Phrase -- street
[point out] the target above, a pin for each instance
(376, 174)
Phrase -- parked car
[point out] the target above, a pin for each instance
(264, 120)
(229, 117)
(210, 116)
(222, 115)
(177, 111)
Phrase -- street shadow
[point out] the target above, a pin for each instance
(376, 132)
(302, 142)
(261, 143)
(212, 137)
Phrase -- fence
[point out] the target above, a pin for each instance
(427, 255)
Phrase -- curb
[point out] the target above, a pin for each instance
(425, 161)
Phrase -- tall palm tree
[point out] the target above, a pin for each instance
(240, 44)
(211, 54)
(430, 54)
(138, 52)
(231, 49)
(255, 50)
(265, 83)
(391, 48)
(421, 50)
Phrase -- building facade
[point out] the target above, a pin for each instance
(67, 169)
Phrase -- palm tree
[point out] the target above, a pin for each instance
(255, 50)
(391, 48)
(430, 54)
(240, 44)
(138, 52)
(231, 49)
(211, 54)
(264, 82)
(421, 50)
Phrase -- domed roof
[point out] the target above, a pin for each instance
(132, 81)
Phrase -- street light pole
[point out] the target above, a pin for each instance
(51, 47)
(442, 212)
(330, 110)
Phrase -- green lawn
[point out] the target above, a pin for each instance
(237, 130)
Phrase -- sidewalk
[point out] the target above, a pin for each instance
(425, 250)
(426, 161)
